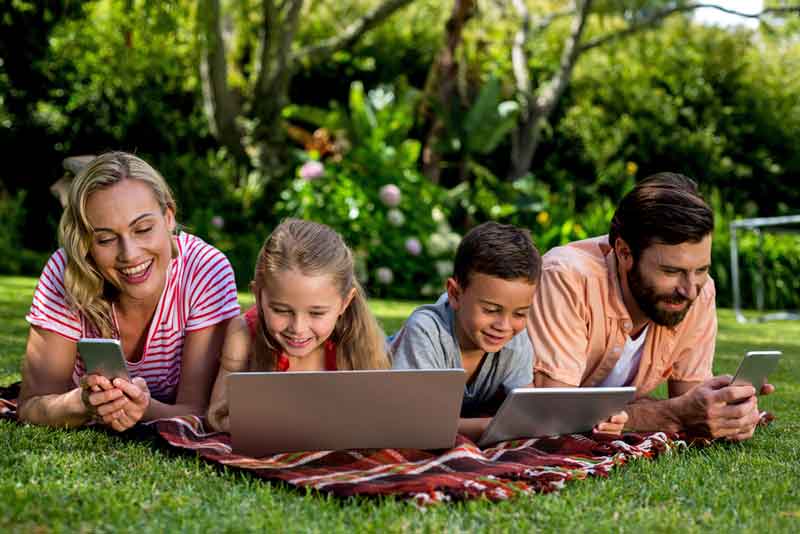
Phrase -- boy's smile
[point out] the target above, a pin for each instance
(489, 312)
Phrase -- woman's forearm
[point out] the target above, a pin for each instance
(161, 410)
(58, 409)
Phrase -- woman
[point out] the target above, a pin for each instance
(123, 272)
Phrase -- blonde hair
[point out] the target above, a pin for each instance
(86, 288)
(315, 249)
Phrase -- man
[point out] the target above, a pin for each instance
(636, 308)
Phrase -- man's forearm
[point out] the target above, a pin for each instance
(648, 414)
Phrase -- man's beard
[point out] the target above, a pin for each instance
(647, 299)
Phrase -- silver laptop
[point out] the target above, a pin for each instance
(535, 412)
(335, 410)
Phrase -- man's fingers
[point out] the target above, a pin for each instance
(733, 394)
(718, 381)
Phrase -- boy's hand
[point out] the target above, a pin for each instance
(613, 425)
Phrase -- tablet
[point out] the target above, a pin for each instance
(536, 412)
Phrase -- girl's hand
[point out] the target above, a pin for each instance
(613, 425)
(137, 400)
(100, 397)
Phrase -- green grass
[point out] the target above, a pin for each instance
(87, 480)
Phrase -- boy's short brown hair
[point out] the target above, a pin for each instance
(500, 250)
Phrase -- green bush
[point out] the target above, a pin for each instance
(393, 218)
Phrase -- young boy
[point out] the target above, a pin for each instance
(479, 324)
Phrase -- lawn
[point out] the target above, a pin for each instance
(86, 480)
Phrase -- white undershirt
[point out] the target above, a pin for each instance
(625, 370)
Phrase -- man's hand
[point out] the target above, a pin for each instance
(718, 409)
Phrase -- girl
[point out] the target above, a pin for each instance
(123, 271)
(310, 314)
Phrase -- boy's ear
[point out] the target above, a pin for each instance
(454, 293)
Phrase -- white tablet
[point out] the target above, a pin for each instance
(535, 412)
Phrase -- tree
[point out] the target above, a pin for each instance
(246, 119)
(539, 103)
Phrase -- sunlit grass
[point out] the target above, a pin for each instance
(87, 480)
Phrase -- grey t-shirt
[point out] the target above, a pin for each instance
(428, 341)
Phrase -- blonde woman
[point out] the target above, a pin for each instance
(124, 272)
(310, 314)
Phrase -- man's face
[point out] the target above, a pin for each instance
(666, 279)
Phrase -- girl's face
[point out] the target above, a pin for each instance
(301, 312)
(132, 240)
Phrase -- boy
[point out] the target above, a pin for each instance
(479, 324)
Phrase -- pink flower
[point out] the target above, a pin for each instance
(311, 170)
(390, 195)
(396, 217)
(413, 246)
(384, 275)
(217, 222)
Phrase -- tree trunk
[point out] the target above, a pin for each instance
(220, 104)
(527, 135)
(441, 87)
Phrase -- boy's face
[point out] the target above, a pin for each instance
(490, 311)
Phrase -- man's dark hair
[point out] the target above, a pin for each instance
(500, 250)
(663, 208)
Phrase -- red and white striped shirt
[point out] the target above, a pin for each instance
(200, 291)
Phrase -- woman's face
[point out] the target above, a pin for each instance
(132, 239)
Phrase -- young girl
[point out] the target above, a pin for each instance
(310, 314)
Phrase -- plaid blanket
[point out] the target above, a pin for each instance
(463, 472)
(537, 465)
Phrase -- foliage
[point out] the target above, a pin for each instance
(352, 195)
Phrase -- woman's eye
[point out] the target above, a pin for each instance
(489, 310)
(105, 240)
(317, 314)
(144, 230)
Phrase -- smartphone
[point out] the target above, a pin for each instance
(755, 367)
(103, 357)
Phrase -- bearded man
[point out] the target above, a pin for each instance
(636, 308)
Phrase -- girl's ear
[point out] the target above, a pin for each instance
(350, 296)
(454, 292)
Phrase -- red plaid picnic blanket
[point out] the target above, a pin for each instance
(464, 472)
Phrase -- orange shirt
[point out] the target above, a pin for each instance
(579, 324)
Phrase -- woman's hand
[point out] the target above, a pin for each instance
(613, 425)
(100, 397)
(130, 406)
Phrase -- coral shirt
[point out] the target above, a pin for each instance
(251, 318)
(579, 324)
(200, 291)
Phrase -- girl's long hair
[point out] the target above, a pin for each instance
(315, 249)
(86, 289)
